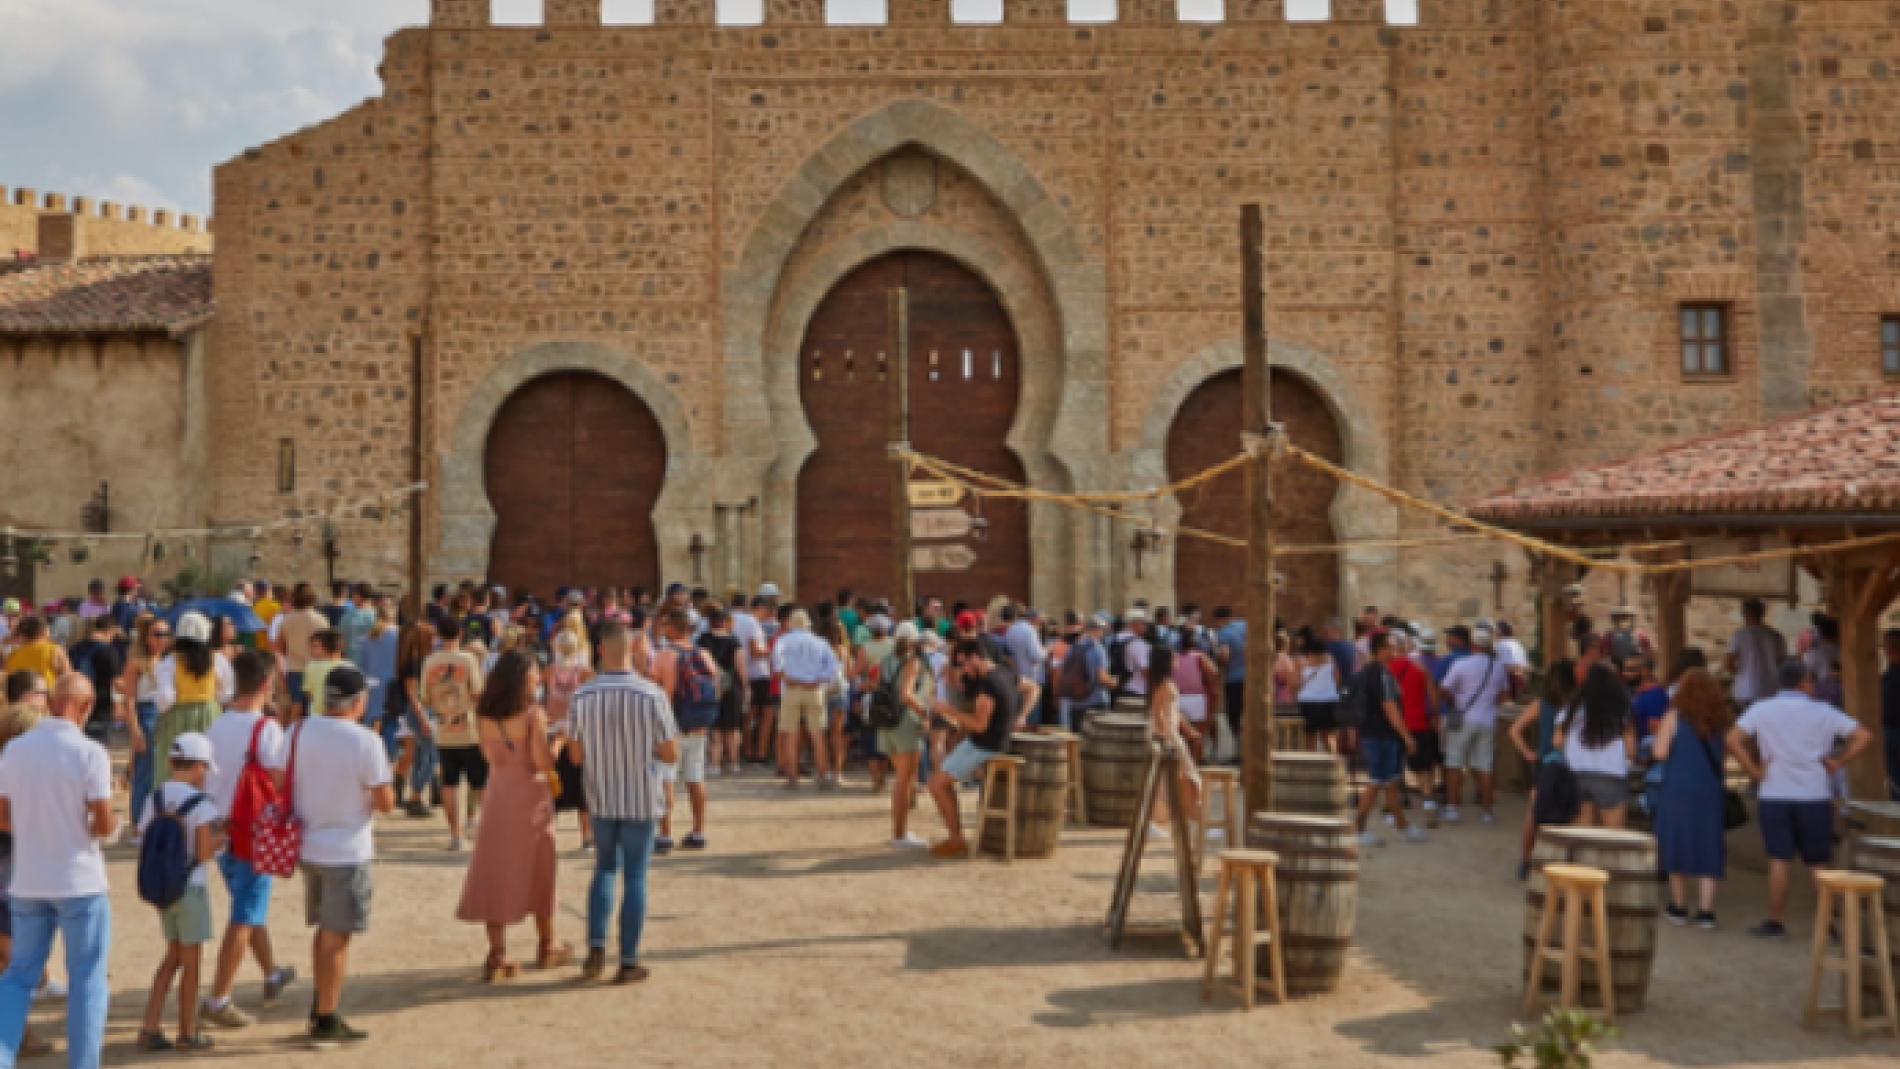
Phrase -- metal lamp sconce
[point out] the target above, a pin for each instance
(698, 547)
(1147, 540)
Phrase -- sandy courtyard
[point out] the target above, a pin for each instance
(800, 940)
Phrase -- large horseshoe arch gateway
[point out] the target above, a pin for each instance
(573, 467)
(965, 381)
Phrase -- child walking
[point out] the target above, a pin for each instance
(172, 876)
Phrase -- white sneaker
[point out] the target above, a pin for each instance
(1157, 833)
(1431, 805)
(1487, 817)
(1391, 821)
(52, 992)
(455, 845)
(1450, 814)
(1366, 838)
(712, 771)
(909, 842)
(1414, 835)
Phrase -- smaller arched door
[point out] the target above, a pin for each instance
(574, 466)
(1205, 432)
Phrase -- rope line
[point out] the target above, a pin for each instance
(242, 529)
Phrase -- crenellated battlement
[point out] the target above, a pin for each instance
(739, 14)
(54, 225)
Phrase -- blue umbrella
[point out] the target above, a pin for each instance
(237, 612)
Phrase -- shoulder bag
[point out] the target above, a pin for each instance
(1734, 810)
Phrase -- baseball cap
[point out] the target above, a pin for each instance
(905, 630)
(128, 583)
(880, 624)
(193, 626)
(342, 685)
(1101, 620)
(1481, 636)
(969, 620)
(193, 746)
(1135, 616)
(768, 590)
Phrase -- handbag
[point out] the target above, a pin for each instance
(1734, 810)
(277, 836)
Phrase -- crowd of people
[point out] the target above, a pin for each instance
(496, 714)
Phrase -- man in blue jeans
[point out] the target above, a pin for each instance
(56, 801)
(621, 731)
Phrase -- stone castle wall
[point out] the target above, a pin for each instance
(1479, 229)
(50, 226)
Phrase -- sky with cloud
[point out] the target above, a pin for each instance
(136, 101)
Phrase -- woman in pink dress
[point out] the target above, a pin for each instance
(511, 876)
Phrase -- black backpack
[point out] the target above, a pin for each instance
(885, 709)
(1356, 699)
(1118, 662)
(167, 853)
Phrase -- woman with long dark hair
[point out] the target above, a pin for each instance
(1560, 689)
(1597, 739)
(194, 681)
(1691, 835)
(1318, 691)
(138, 686)
(416, 767)
(511, 876)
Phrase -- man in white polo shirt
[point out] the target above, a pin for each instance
(56, 801)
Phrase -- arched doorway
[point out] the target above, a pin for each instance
(1205, 432)
(964, 383)
(573, 467)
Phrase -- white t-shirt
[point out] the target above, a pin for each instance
(1511, 653)
(1759, 651)
(1611, 760)
(230, 737)
(1319, 682)
(1472, 692)
(745, 628)
(1795, 734)
(174, 795)
(1136, 658)
(338, 764)
(48, 776)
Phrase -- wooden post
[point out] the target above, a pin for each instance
(1860, 587)
(1672, 622)
(1256, 742)
(1554, 609)
(902, 582)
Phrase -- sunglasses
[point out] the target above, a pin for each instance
(161, 634)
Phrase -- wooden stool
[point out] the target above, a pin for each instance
(997, 770)
(1573, 888)
(1227, 781)
(1289, 736)
(1859, 894)
(1249, 875)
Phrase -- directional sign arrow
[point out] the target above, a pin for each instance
(940, 523)
(934, 494)
(942, 558)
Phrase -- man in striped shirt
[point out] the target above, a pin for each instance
(621, 732)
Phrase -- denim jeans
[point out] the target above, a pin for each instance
(423, 773)
(621, 848)
(142, 764)
(85, 924)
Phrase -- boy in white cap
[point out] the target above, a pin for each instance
(187, 921)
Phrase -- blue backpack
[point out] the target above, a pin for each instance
(167, 854)
(695, 690)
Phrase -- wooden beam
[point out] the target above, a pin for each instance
(1672, 622)
(1860, 595)
(1256, 743)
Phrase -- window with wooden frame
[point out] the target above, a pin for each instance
(1705, 339)
(1890, 346)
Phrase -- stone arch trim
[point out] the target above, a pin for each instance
(1078, 427)
(1356, 514)
(467, 520)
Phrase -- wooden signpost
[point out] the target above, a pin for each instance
(1164, 766)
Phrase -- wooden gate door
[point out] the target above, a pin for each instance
(964, 382)
(1206, 431)
(574, 465)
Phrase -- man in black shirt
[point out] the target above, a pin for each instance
(1383, 739)
(997, 700)
(98, 660)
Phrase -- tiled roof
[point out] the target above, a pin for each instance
(105, 293)
(1839, 460)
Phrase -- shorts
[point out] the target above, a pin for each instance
(1472, 746)
(293, 681)
(336, 897)
(1427, 754)
(1383, 759)
(692, 763)
(732, 704)
(1603, 790)
(463, 762)
(1798, 829)
(187, 921)
(966, 762)
(250, 891)
(801, 706)
(1320, 716)
(1193, 708)
(762, 695)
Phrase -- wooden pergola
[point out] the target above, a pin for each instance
(1821, 489)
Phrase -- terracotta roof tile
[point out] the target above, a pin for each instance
(1844, 459)
(106, 293)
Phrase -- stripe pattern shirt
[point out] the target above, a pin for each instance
(618, 718)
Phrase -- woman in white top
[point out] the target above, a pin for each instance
(138, 688)
(1318, 692)
(1597, 739)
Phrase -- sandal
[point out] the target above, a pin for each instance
(197, 1042)
(498, 968)
(154, 1041)
(554, 956)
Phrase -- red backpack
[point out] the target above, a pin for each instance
(255, 792)
(260, 821)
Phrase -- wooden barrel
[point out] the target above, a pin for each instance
(1114, 760)
(1317, 882)
(1041, 803)
(1882, 858)
(1309, 783)
(1635, 900)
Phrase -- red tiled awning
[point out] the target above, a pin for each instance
(105, 294)
(1832, 461)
